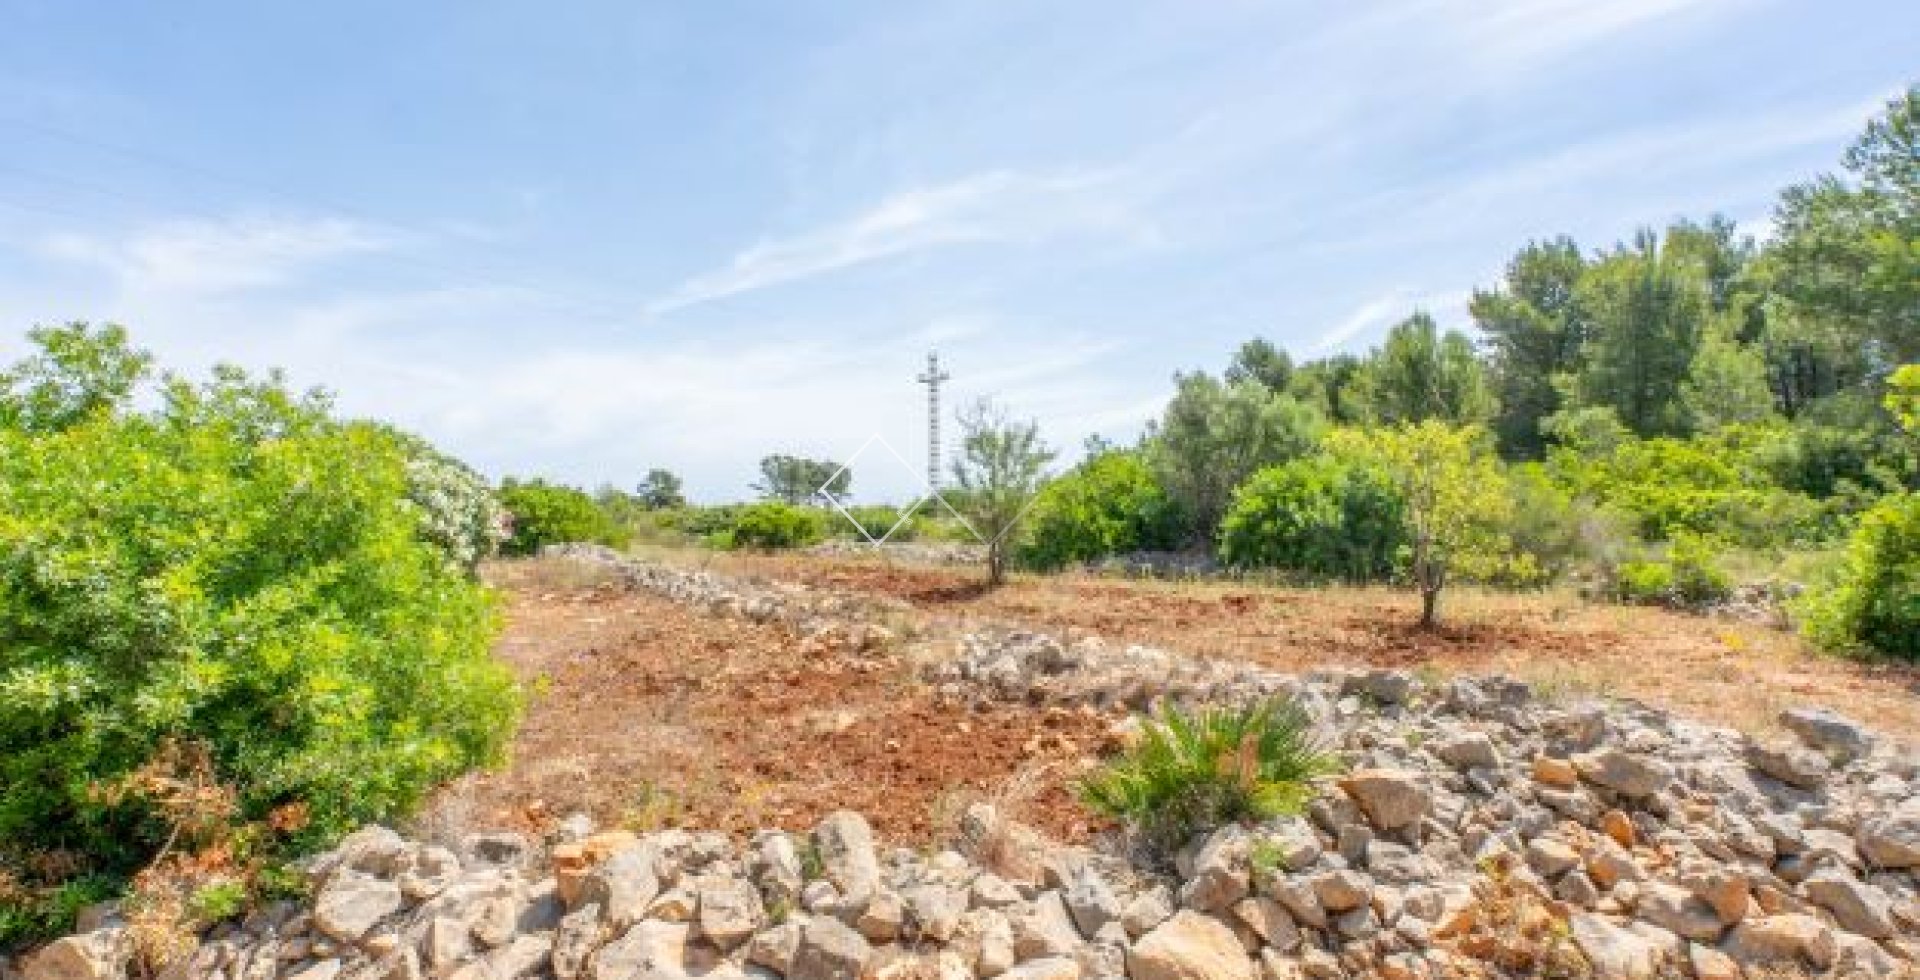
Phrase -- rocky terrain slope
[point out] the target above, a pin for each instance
(1479, 830)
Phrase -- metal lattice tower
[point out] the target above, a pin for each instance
(932, 379)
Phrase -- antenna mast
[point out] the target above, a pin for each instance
(932, 379)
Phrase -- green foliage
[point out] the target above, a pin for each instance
(1846, 256)
(1725, 385)
(1193, 771)
(999, 471)
(1713, 487)
(1213, 436)
(1420, 374)
(1688, 574)
(797, 480)
(1260, 361)
(877, 519)
(80, 372)
(218, 901)
(660, 489)
(26, 917)
(237, 568)
(550, 513)
(1457, 505)
(771, 524)
(1322, 517)
(1646, 312)
(1534, 332)
(1873, 602)
(1109, 504)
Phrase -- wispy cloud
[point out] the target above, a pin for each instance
(1505, 34)
(998, 206)
(1392, 305)
(205, 256)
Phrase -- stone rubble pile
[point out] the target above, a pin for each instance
(1478, 829)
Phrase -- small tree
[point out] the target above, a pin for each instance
(996, 477)
(661, 489)
(1456, 501)
(795, 479)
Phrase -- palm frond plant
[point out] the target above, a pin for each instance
(1195, 770)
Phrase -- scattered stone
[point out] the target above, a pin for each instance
(1391, 798)
(1627, 773)
(623, 887)
(1789, 764)
(1468, 750)
(1558, 773)
(1892, 840)
(845, 844)
(352, 903)
(1147, 909)
(1829, 731)
(1189, 946)
(1775, 939)
(1857, 907)
(829, 950)
(1613, 950)
(730, 911)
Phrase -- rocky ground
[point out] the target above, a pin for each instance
(1480, 829)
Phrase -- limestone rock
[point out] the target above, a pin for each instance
(1680, 912)
(1467, 750)
(1789, 764)
(1776, 939)
(1613, 950)
(97, 955)
(650, 950)
(845, 843)
(1855, 906)
(1631, 774)
(1391, 798)
(1828, 731)
(1189, 946)
(624, 886)
(829, 951)
(1892, 840)
(730, 911)
(352, 902)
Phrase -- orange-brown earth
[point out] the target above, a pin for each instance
(647, 713)
(1736, 673)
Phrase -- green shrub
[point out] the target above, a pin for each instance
(1191, 772)
(1644, 581)
(1872, 604)
(1110, 504)
(772, 524)
(1688, 574)
(877, 519)
(549, 513)
(238, 569)
(1320, 516)
(218, 901)
(1709, 486)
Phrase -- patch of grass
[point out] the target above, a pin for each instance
(1267, 859)
(218, 901)
(1193, 771)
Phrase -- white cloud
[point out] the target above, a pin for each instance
(1391, 306)
(208, 257)
(1505, 34)
(998, 206)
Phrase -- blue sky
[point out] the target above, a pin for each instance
(585, 239)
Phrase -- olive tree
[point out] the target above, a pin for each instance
(1456, 501)
(1000, 470)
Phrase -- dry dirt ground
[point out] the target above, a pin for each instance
(1736, 673)
(648, 714)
